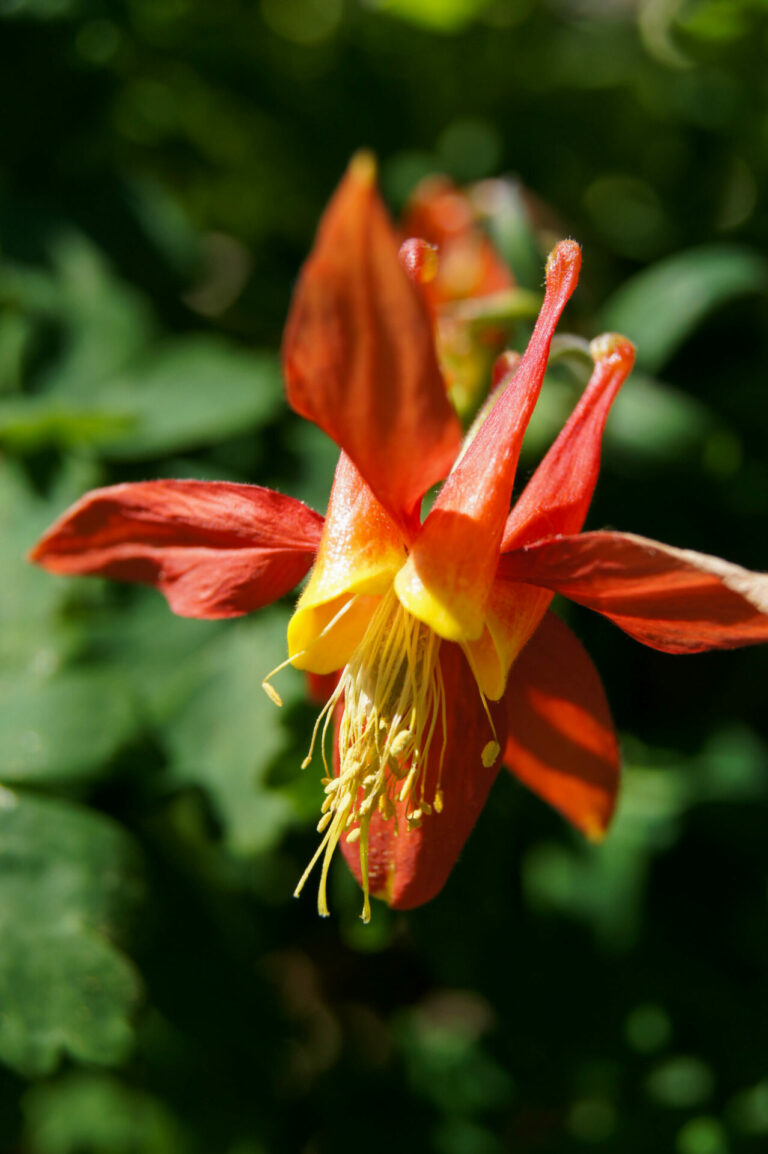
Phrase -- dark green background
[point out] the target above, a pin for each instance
(163, 164)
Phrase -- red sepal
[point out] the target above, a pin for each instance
(670, 599)
(359, 354)
(408, 869)
(556, 499)
(562, 744)
(214, 549)
(452, 564)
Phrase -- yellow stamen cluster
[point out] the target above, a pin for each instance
(394, 704)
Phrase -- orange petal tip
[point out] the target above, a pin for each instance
(363, 168)
(564, 262)
(419, 259)
(505, 366)
(612, 346)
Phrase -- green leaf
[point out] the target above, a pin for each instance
(101, 322)
(31, 635)
(192, 392)
(32, 423)
(69, 884)
(94, 1113)
(227, 735)
(662, 306)
(650, 420)
(63, 727)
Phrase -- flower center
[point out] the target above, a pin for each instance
(394, 709)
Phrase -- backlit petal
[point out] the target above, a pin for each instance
(556, 499)
(359, 355)
(513, 613)
(671, 599)
(409, 868)
(448, 577)
(561, 742)
(360, 551)
(214, 549)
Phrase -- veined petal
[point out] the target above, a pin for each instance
(214, 549)
(556, 499)
(451, 568)
(409, 867)
(512, 615)
(561, 741)
(359, 354)
(670, 599)
(360, 551)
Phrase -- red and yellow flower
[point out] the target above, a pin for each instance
(470, 291)
(449, 662)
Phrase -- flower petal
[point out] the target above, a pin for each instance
(214, 549)
(561, 741)
(448, 577)
(359, 354)
(443, 215)
(408, 868)
(556, 499)
(671, 599)
(360, 551)
(513, 614)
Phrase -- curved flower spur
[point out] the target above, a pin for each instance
(448, 660)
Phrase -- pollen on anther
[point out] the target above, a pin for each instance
(490, 752)
(273, 695)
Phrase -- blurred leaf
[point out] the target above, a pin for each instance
(63, 727)
(15, 333)
(32, 423)
(316, 459)
(661, 306)
(100, 322)
(227, 734)
(195, 391)
(703, 1135)
(441, 15)
(652, 421)
(69, 882)
(681, 1081)
(32, 635)
(58, 722)
(509, 224)
(90, 1113)
(604, 885)
(156, 650)
(447, 1062)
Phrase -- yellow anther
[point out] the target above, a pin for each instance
(400, 743)
(394, 702)
(490, 752)
(386, 807)
(397, 770)
(274, 697)
(325, 821)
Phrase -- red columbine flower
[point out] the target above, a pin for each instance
(469, 290)
(469, 266)
(450, 662)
